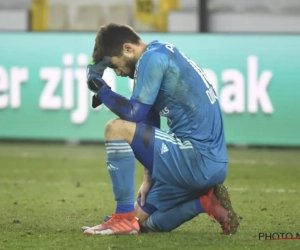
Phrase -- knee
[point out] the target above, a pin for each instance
(113, 129)
(112, 126)
(118, 129)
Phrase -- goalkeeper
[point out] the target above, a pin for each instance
(185, 167)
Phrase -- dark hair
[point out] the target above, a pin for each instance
(110, 39)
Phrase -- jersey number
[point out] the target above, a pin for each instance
(210, 91)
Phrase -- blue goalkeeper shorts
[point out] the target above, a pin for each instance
(181, 172)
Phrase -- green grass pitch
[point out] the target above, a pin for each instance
(47, 192)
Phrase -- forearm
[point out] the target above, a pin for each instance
(128, 110)
(152, 119)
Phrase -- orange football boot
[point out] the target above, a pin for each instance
(217, 204)
(118, 224)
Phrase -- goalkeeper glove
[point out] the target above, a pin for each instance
(95, 85)
(94, 78)
(96, 70)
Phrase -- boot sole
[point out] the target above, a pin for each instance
(220, 191)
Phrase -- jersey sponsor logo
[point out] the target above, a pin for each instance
(164, 148)
(164, 112)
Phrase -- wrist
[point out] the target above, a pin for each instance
(147, 177)
(103, 91)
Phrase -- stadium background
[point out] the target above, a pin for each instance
(50, 184)
(248, 50)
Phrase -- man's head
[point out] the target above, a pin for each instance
(122, 44)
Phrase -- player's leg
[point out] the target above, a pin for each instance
(145, 140)
(121, 136)
(173, 218)
(166, 221)
(185, 167)
(125, 141)
(176, 206)
(163, 197)
(121, 168)
(167, 207)
(179, 165)
(151, 219)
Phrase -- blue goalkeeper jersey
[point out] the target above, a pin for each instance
(178, 90)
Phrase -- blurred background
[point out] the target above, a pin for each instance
(248, 49)
(152, 15)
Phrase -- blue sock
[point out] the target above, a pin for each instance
(121, 167)
(169, 220)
